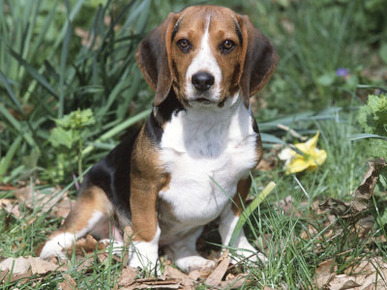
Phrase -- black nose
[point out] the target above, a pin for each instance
(203, 81)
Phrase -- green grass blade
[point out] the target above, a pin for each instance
(366, 136)
(74, 11)
(6, 160)
(268, 138)
(34, 73)
(11, 94)
(249, 210)
(63, 61)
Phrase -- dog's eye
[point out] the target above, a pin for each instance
(184, 45)
(227, 46)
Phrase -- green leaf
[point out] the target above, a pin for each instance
(326, 80)
(34, 73)
(61, 137)
(11, 94)
(268, 138)
(366, 136)
(6, 160)
(383, 52)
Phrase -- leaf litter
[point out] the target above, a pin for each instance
(360, 273)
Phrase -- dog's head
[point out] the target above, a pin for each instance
(206, 54)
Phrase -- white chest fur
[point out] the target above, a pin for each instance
(207, 151)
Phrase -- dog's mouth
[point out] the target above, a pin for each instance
(203, 101)
(207, 102)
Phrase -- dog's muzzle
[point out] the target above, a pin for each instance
(203, 81)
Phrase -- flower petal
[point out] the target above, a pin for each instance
(320, 156)
(297, 165)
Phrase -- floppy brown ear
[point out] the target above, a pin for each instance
(152, 59)
(260, 61)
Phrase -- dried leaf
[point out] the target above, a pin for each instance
(154, 283)
(325, 272)
(10, 207)
(68, 283)
(128, 276)
(235, 283)
(86, 245)
(171, 272)
(366, 189)
(22, 265)
(217, 275)
(368, 274)
(33, 197)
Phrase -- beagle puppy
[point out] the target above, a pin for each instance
(190, 162)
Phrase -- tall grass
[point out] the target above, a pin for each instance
(46, 71)
(57, 56)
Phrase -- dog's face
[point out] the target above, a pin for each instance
(206, 54)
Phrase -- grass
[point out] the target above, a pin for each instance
(58, 56)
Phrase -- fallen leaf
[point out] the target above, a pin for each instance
(358, 208)
(367, 274)
(68, 283)
(22, 265)
(154, 283)
(217, 275)
(10, 206)
(325, 272)
(128, 276)
(86, 245)
(366, 189)
(171, 272)
(235, 283)
(47, 199)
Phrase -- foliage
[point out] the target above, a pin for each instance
(373, 119)
(373, 115)
(43, 78)
(62, 60)
(68, 134)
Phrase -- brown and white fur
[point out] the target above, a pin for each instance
(190, 162)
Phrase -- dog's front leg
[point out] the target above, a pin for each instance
(228, 221)
(146, 232)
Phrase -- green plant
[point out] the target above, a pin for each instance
(69, 136)
(373, 119)
(42, 78)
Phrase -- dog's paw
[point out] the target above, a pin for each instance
(191, 263)
(55, 246)
(115, 246)
(144, 255)
(247, 252)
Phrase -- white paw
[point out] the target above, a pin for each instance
(143, 255)
(115, 246)
(247, 252)
(192, 263)
(55, 246)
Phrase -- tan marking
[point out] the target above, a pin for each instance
(243, 188)
(147, 179)
(90, 200)
(192, 23)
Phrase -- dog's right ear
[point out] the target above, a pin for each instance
(152, 58)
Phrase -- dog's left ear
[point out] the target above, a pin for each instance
(259, 63)
(152, 58)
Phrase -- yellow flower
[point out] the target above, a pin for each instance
(310, 157)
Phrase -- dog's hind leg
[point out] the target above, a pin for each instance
(183, 253)
(91, 209)
(229, 219)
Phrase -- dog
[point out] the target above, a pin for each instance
(190, 163)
